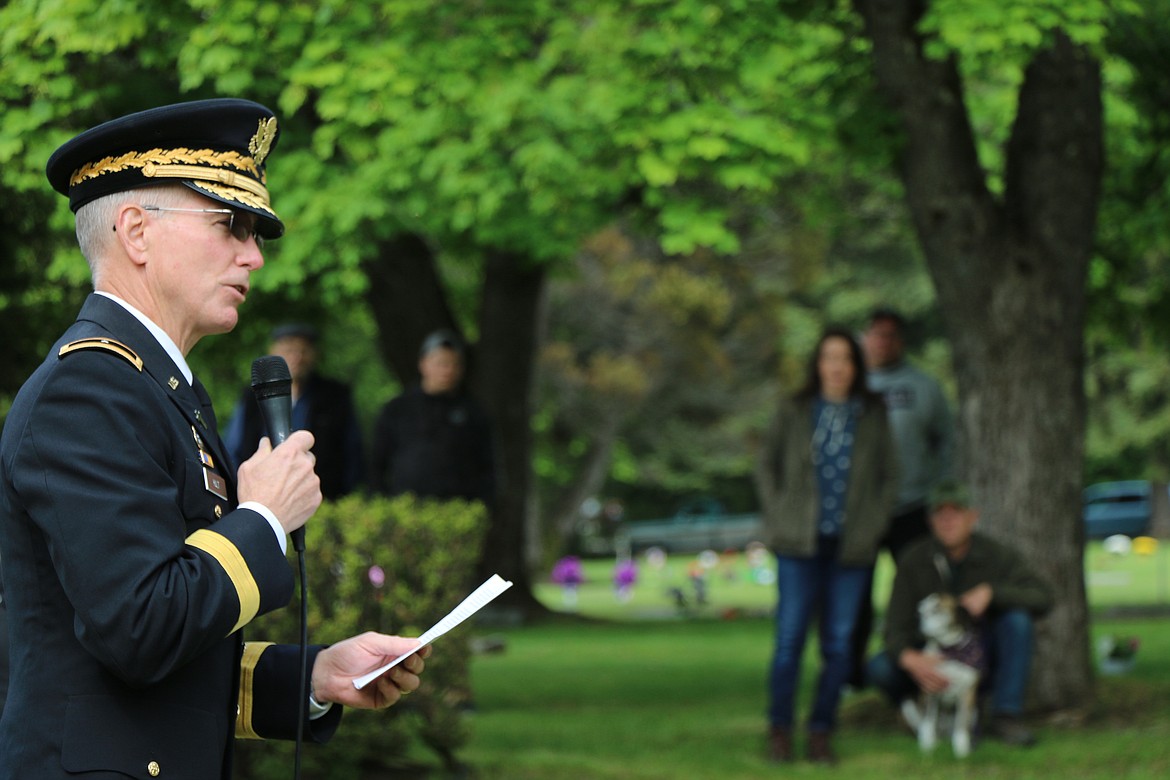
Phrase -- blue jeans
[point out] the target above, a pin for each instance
(1007, 640)
(807, 583)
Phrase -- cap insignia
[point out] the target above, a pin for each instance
(261, 143)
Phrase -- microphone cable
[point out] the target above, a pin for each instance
(303, 698)
(272, 386)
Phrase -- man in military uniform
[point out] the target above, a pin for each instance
(133, 556)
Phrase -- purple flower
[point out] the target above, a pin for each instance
(377, 576)
(625, 573)
(567, 571)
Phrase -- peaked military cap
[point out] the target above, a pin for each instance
(216, 147)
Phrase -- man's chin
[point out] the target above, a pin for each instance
(225, 324)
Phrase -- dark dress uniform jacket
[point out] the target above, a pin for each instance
(127, 578)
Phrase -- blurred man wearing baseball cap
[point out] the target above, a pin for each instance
(433, 440)
(993, 583)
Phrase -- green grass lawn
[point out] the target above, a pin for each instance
(642, 690)
(686, 700)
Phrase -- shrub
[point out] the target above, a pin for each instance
(396, 566)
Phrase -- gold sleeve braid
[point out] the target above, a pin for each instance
(236, 568)
(244, 726)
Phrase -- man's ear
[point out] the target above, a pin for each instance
(130, 227)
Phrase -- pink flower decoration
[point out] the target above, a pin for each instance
(377, 576)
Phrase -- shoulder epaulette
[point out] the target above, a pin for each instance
(109, 345)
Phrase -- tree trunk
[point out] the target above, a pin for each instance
(1010, 275)
(562, 517)
(408, 300)
(504, 381)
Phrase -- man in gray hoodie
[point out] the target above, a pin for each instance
(923, 431)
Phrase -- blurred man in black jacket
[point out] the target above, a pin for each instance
(433, 440)
(321, 406)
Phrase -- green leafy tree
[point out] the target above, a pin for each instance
(1128, 328)
(440, 160)
(663, 362)
(431, 148)
(507, 135)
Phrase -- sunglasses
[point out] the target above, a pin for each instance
(240, 229)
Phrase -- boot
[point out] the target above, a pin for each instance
(780, 745)
(820, 750)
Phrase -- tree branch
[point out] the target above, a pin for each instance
(1055, 157)
(407, 298)
(946, 188)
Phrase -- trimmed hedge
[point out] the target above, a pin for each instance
(396, 566)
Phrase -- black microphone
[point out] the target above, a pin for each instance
(272, 386)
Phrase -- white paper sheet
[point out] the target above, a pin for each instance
(479, 598)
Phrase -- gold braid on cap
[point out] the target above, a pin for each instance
(199, 175)
(202, 164)
(238, 195)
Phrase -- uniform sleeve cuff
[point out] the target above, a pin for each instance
(277, 528)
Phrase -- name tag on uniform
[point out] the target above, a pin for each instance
(215, 484)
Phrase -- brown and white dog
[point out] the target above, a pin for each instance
(946, 627)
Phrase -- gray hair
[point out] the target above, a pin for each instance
(95, 220)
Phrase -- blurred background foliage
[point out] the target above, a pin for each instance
(707, 184)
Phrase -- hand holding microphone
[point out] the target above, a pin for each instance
(280, 475)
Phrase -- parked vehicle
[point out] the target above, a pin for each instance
(699, 524)
(1123, 507)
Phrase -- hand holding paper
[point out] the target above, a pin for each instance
(479, 598)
